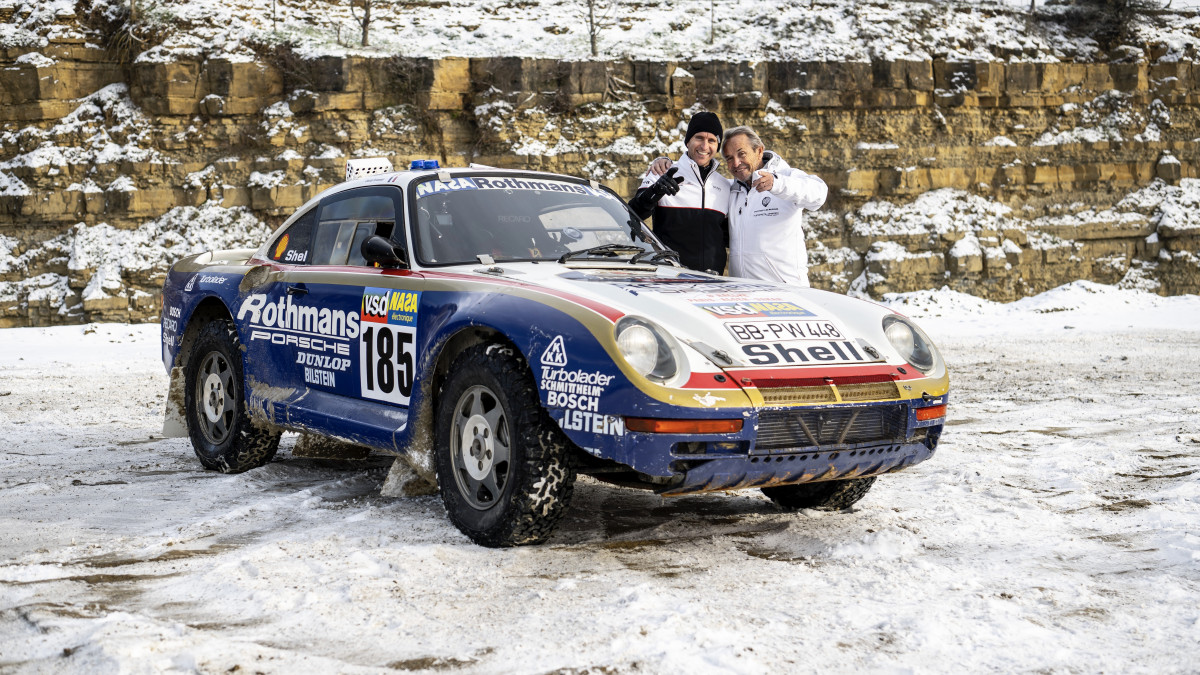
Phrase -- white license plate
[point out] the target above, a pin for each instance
(784, 330)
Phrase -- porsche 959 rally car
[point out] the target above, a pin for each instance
(507, 330)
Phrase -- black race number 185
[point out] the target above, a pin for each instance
(387, 357)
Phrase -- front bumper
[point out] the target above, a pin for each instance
(791, 467)
(788, 445)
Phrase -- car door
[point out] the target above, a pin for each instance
(349, 347)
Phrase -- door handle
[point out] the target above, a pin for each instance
(299, 289)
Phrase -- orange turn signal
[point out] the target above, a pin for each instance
(654, 426)
(931, 413)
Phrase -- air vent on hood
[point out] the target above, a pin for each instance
(871, 391)
(810, 390)
(799, 395)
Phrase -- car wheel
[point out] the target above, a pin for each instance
(503, 466)
(224, 437)
(833, 495)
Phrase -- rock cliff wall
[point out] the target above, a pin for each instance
(997, 179)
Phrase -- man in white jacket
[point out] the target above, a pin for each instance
(766, 210)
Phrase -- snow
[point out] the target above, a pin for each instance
(1059, 514)
(11, 186)
(1177, 208)
(106, 128)
(267, 180)
(35, 59)
(654, 30)
(934, 212)
(1054, 530)
(182, 231)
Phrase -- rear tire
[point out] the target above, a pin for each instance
(833, 495)
(503, 466)
(223, 435)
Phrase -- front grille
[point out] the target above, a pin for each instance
(831, 426)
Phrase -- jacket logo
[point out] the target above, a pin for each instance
(766, 200)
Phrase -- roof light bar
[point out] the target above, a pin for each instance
(367, 166)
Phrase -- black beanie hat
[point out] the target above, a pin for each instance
(704, 121)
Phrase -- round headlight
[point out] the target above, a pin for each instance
(646, 348)
(639, 347)
(912, 343)
(902, 338)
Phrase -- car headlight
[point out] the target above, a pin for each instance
(914, 346)
(646, 348)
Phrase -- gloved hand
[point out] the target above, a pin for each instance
(667, 184)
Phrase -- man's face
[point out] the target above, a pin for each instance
(702, 147)
(742, 159)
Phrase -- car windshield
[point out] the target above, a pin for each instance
(522, 218)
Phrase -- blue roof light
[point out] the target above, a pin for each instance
(420, 164)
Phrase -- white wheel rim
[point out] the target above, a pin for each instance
(214, 397)
(481, 447)
(477, 447)
(215, 390)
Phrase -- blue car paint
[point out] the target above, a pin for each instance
(333, 404)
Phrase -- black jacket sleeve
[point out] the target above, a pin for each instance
(642, 203)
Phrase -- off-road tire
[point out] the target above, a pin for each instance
(833, 495)
(503, 466)
(223, 435)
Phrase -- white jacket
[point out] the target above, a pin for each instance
(766, 229)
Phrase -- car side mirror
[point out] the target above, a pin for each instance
(384, 252)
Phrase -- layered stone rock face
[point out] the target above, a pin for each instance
(997, 179)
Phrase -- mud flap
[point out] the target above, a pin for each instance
(174, 419)
(404, 481)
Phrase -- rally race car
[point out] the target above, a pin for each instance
(507, 330)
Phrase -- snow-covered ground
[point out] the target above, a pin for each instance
(1056, 530)
(723, 30)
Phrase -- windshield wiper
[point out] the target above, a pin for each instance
(605, 250)
(655, 256)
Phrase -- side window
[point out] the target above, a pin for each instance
(348, 219)
(294, 246)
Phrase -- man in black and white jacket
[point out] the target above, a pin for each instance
(688, 203)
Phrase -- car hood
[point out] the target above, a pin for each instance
(727, 319)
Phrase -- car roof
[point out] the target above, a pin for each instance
(403, 179)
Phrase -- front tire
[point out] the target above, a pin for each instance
(833, 495)
(223, 435)
(502, 464)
